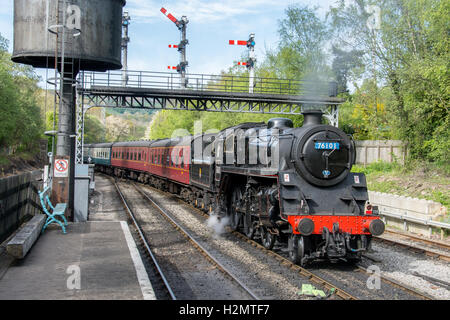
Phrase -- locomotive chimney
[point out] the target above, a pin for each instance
(312, 117)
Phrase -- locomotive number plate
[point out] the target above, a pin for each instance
(327, 145)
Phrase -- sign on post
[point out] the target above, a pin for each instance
(61, 168)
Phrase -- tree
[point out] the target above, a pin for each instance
(304, 34)
(347, 65)
(409, 54)
(117, 129)
(94, 131)
(21, 124)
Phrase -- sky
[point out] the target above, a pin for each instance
(211, 24)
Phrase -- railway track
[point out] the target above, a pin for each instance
(247, 293)
(394, 287)
(434, 249)
(316, 277)
(146, 245)
(310, 277)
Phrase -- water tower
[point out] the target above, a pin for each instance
(68, 36)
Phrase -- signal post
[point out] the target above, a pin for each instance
(181, 25)
(251, 62)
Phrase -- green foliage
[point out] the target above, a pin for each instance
(377, 167)
(94, 130)
(346, 65)
(417, 180)
(21, 123)
(300, 54)
(410, 57)
(169, 124)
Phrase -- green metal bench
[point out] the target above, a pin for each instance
(57, 211)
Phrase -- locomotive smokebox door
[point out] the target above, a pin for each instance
(322, 154)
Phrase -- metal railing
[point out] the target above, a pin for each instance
(204, 82)
(425, 222)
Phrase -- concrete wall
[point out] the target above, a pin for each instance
(19, 201)
(369, 151)
(407, 206)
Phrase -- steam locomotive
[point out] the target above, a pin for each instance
(271, 181)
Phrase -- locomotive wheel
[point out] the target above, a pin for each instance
(234, 216)
(249, 228)
(296, 245)
(267, 238)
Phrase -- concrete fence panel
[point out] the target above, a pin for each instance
(420, 209)
(369, 151)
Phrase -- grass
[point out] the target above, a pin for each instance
(418, 180)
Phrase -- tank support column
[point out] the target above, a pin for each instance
(64, 177)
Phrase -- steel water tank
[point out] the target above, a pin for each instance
(97, 47)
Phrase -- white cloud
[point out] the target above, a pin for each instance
(202, 11)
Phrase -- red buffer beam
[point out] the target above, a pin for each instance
(170, 16)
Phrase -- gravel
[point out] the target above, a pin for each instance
(400, 264)
(189, 273)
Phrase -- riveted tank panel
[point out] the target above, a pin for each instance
(96, 48)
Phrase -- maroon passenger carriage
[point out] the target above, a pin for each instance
(145, 161)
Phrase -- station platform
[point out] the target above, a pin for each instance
(95, 260)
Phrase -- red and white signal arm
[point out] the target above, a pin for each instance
(237, 42)
(61, 168)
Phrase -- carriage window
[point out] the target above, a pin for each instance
(139, 157)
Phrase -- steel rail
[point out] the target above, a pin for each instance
(420, 239)
(144, 241)
(203, 250)
(302, 271)
(397, 284)
(426, 251)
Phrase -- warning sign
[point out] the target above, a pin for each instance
(61, 168)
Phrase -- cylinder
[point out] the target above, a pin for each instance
(93, 27)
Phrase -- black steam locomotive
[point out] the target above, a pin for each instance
(297, 188)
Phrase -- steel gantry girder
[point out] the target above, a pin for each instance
(169, 99)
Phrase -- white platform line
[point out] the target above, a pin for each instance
(144, 282)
